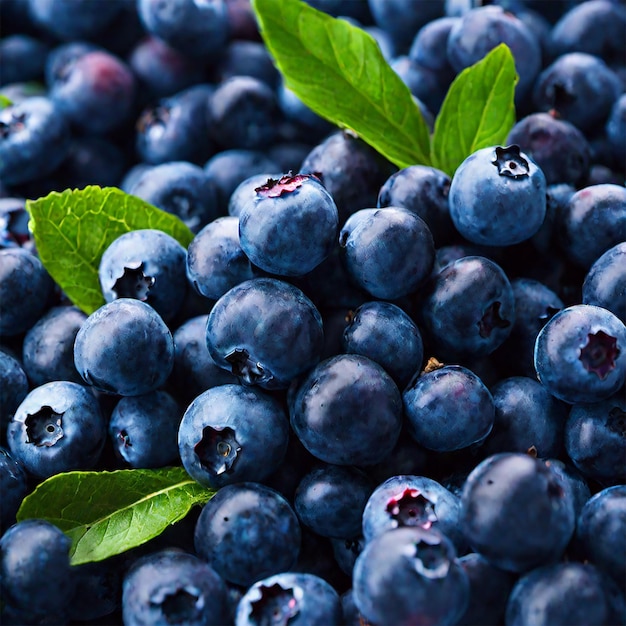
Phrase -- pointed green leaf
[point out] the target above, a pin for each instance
(4, 102)
(339, 71)
(107, 513)
(478, 111)
(72, 229)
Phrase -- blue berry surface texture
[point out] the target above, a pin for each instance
(498, 196)
(580, 354)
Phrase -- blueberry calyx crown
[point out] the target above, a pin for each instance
(45, 427)
(15, 123)
(134, 283)
(491, 319)
(182, 604)
(510, 162)
(431, 558)
(158, 115)
(275, 188)
(412, 508)
(249, 371)
(599, 353)
(218, 449)
(275, 607)
(548, 314)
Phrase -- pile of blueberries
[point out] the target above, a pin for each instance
(407, 388)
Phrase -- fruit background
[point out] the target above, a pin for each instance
(304, 325)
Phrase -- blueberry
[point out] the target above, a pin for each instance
(350, 169)
(498, 196)
(383, 332)
(404, 501)
(517, 512)
(616, 127)
(591, 222)
(197, 29)
(266, 331)
(232, 433)
(148, 265)
(96, 92)
(429, 47)
(243, 114)
(162, 70)
(25, 290)
(13, 386)
(600, 531)
(401, 20)
(468, 308)
(215, 260)
(346, 552)
(580, 354)
(294, 598)
(595, 439)
(559, 149)
(427, 86)
(58, 427)
(173, 587)
(490, 587)
(92, 160)
(605, 282)
(34, 140)
(330, 500)
(180, 188)
(410, 576)
(289, 227)
(22, 58)
(48, 349)
(535, 304)
(448, 409)
(246, 58)
(294, 109)
(571, 82)
(98, 590)
(423, 190)
(347, 411)
(143, 430)
(61, 57)
(527, 418)
(595, 27)
(228, 168)
(247, 532)
(481, 29)
(563, 593)
(71, 19)
(389, 252)
(176, 128)
(194, 369)
(124, 348)
(14, 486)
(35, 572)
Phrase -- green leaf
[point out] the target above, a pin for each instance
(478, 111)
(107, 513)
(4, 102)
(72, 229)
(339, 71)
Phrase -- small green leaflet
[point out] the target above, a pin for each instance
(107, 513)
(4, 102)
(72, 229)
(339, 71)
(478, 111)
